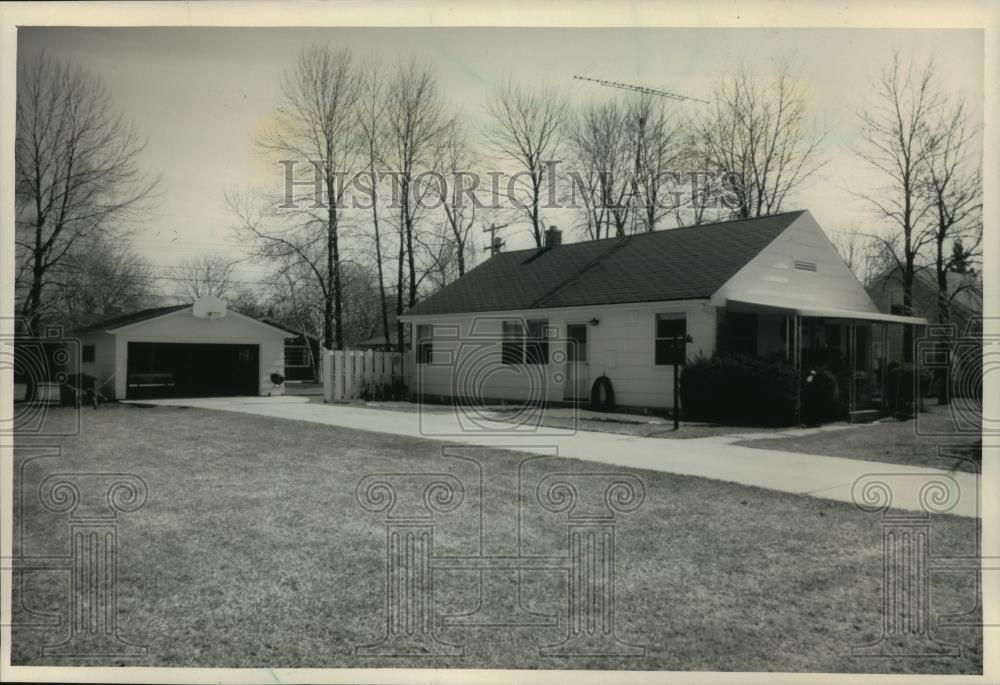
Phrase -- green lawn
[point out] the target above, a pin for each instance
(252, 551)
(897, 442)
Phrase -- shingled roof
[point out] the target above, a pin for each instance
(685, 263)
(135, 317)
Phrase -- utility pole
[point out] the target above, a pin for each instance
(496, 242)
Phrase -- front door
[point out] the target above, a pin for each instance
(577, 381)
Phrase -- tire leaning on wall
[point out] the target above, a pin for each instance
(602, 395)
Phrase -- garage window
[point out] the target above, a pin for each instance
(88, 354)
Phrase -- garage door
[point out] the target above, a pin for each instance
(191, 370)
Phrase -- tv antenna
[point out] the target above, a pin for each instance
(640, 89)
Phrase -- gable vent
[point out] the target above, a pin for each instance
(803, 265)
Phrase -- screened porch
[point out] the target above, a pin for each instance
(856, 346)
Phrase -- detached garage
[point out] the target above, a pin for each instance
(190, 350)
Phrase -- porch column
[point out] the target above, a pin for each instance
(797, 362)
(788, 337)
(853, 365)
(884, 364)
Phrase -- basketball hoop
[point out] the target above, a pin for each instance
(209, 307)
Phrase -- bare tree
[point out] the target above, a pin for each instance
(525, 127)
(77, 172)
(603, 145)
(864, 256)
(100, 278)
(584, 190)
(371, 128)
(454, 164)
(759, 133)
(700, 195)
(316, 128)
(658, 148)
(952, 187)
(894, 125)
(416, 120)
(203, 276)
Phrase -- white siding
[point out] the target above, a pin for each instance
(103, 366)
(771, 276)
(621, 346)
(183, 327)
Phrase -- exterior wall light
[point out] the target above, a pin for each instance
(595, 321)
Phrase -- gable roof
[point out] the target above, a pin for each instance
(677, 264)
(135, 317)
(112, 325)
(964, 289)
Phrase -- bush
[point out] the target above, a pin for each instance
(740, 390)
(821, 397)
(383, 392)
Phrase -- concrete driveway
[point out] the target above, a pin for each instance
(716, 458)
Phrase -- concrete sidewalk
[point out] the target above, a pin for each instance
(712, 457)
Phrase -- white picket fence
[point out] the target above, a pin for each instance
(346, 372)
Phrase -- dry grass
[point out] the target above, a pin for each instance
(931, 440)
(252, 551)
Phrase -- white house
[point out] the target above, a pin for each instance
(544, 324)
(198, 349)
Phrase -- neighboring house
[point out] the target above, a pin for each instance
(378, 343)
(965, 313)
(187, 350)
(544, 324)
(965, 295)
(301, 351)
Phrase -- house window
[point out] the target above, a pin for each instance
(88, 354)
(525, 342)
(425, 343)
(671, 336)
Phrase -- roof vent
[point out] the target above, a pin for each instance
(805, 265)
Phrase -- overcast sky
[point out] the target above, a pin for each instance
(199, 94)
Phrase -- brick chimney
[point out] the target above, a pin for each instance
(497, 246)
(553, 237)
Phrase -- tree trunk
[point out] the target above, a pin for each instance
(907, 310)
(943, 314)
(399, 281)
(384, 306)
(329, 296)
(338, 295)
(410, 258)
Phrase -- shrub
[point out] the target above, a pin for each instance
(738, 389)
(383, 392)
(821, 397)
